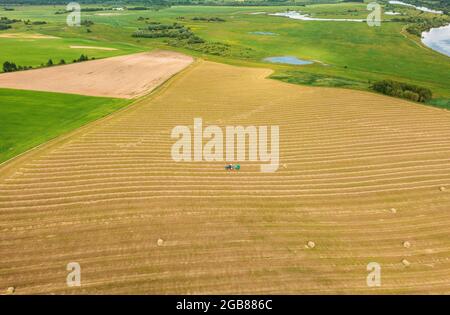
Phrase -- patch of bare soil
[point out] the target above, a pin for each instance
(27, 36)
(122, 77)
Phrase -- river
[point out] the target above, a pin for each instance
(438, 39)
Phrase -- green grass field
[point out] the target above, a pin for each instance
(29, 118)
(353, 52)
(56, 49)
(347, 54)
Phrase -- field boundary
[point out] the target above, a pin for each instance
(5, 167)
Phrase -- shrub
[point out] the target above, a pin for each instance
(4, 27)
(403, 90)
(411, 96)
(9, 66)
(82, 58)
(206, 19)
(87, 23)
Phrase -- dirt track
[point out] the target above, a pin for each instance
(105, 195)
(123, 77)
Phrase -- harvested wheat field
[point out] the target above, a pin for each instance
(123, 77)
(360, 182)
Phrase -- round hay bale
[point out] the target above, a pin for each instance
(393, 210)
(160, 242)
(406, 263)
(406, 244)
(442, 188)
(10, 290)
(311, 244)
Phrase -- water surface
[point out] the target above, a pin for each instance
(304, 17)
(291, 60)
(263, 33)
(438, 39)
(424, 9)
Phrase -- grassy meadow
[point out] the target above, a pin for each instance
(29, 118)
(346, 54)
(362, 177)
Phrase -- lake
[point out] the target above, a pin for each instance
(290, 60)
(263, 33)
(304, 17)
(438, 39)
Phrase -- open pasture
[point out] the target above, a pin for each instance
(347, 54)
(30, 118)
(34, 48)
(361, 176)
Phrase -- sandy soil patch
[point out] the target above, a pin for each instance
(27, 36)
(92, 47)
(123, 77)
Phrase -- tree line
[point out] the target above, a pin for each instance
(418, 24)
(175, 30)
(403, 90)
(9, 66)
(208, 19)
(5, 23)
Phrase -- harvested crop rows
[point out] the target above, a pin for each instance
(361, 175)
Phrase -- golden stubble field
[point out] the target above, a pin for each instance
(106, 194)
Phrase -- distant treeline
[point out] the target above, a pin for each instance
(9, 66)
(5, 23)
(175, 30)
(208, 19)
(403, 90)
(82, 9)
(178, 35)
(167, 3)
(105, 2)
(252, 2)
(28, 22)
(419, 24)
(443, 5)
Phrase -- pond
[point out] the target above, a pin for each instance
(263, 33)
(290, 60)
(304, 17)
(438, 39)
